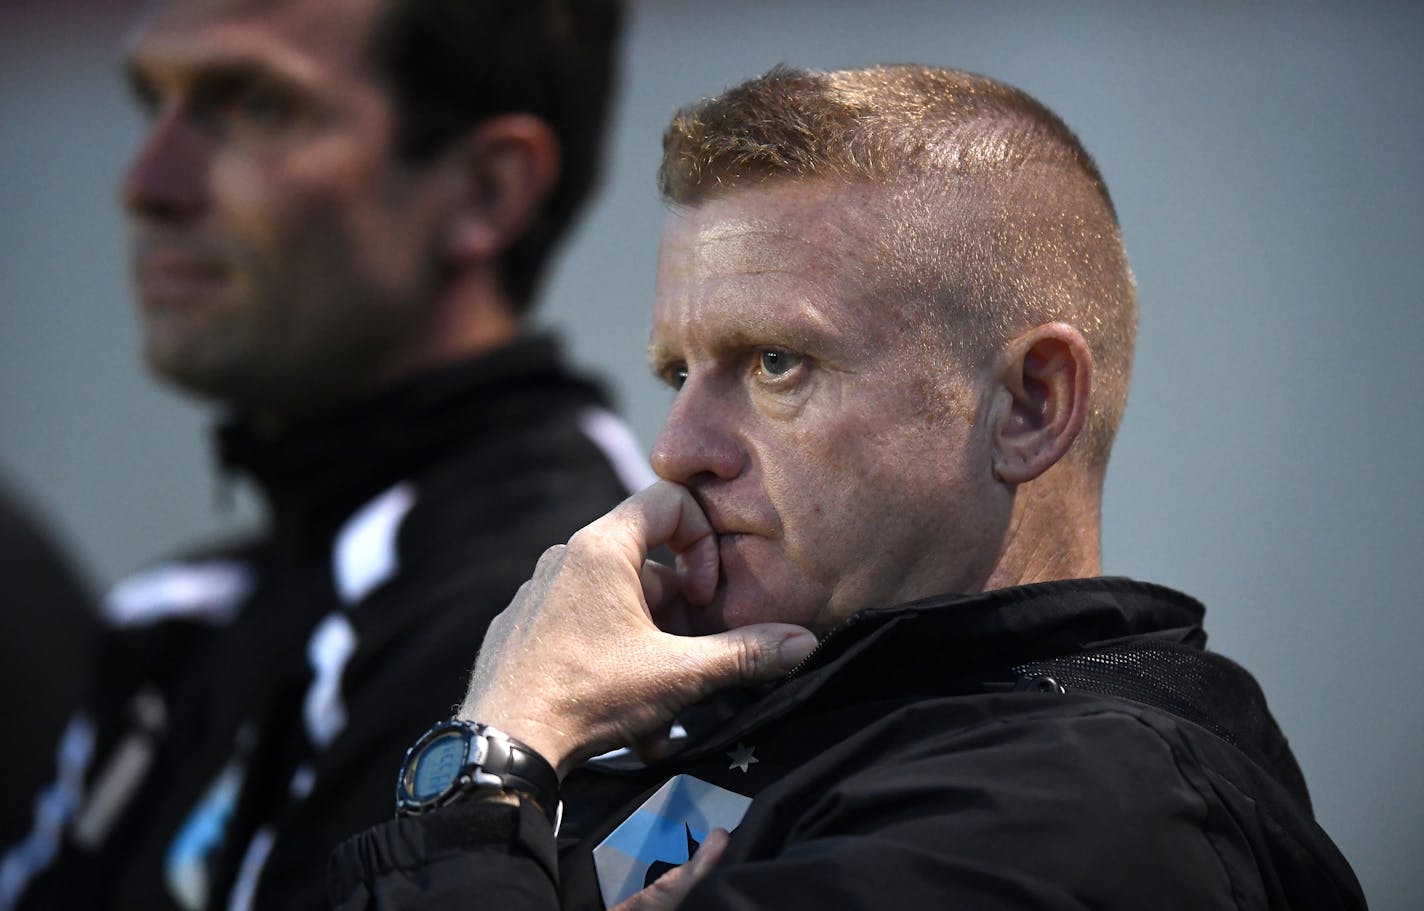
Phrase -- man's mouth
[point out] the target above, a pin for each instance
(731, 544)
(162, 276)
(735, 516)
(727, 523)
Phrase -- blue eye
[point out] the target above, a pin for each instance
(775, 362)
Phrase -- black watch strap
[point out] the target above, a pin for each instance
(519, 768)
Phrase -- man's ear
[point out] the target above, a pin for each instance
(506, 168)
(1041, 400)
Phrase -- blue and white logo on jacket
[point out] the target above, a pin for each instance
(663, 833)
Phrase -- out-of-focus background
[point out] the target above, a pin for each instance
(1265, 160)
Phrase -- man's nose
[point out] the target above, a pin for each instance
(700, 437)
(167, 178)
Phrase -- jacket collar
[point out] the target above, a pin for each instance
(934, 644)
(1012, 625)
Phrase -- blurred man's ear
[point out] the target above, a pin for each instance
(506, 168)
(1042, 386)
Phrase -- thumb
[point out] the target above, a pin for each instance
(753, 654)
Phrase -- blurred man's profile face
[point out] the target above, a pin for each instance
(280, 251)
(838, 469)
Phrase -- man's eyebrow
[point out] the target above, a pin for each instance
(212, 77)
(139, 85)
(660, 357)
(804, 332)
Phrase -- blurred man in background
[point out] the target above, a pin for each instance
(339, 216)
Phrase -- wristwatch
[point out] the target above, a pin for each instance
(456, 758)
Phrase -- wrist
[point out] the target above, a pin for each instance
(547, 741)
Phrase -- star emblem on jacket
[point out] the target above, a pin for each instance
(742, 757)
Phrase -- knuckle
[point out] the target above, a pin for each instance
(498, 624)
(550, 560)
(732, 661)
(518, 602)
(584, 541)
(591, 547)
(750, 656)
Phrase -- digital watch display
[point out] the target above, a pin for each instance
(437, 766)
(458, 757)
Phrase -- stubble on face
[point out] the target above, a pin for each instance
(864, 454)
(282, 254)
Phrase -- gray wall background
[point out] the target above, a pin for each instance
(1265, 159)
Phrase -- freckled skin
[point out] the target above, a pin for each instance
(833, 484)
(284, 258)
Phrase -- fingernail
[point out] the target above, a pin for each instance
(794, 649)
(709, 852)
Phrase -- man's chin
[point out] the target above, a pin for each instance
(179, 368)
(733, 606)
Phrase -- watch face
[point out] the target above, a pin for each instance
(437, 765)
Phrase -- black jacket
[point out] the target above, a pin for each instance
(48, 627)
(1064, 745)
(253, 702)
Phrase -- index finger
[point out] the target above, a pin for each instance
(667, 514)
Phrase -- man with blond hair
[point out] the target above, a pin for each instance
(896, 309)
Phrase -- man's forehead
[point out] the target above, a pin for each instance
(196, 33)
(751, 230)
(746, 246)
(790, 264)
(187, 13)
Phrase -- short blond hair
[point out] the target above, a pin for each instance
(997, 218)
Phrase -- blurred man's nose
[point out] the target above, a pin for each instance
(167, 178)
(698, 438)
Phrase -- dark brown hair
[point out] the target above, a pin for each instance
(452, 63)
